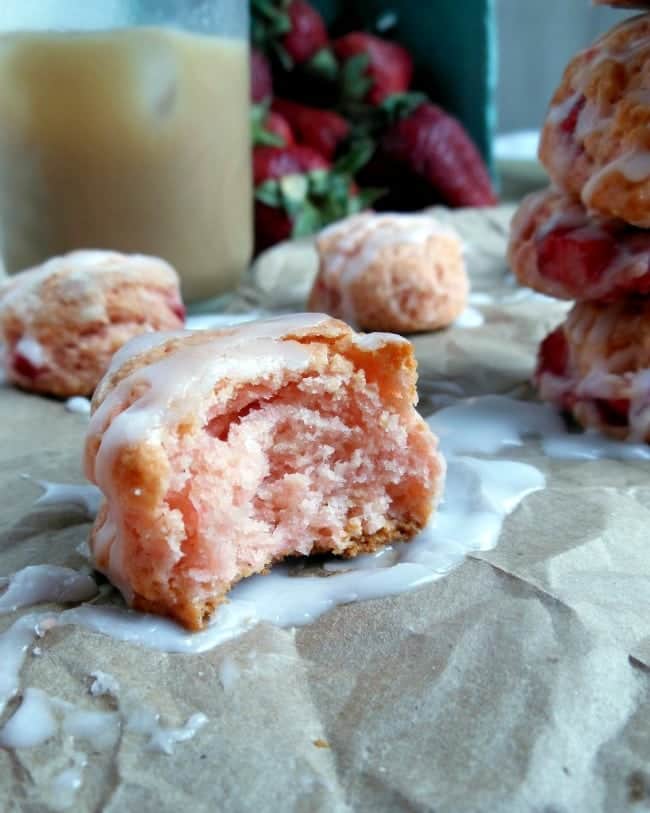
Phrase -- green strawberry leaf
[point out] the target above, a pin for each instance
(260, 136)
(307, 221)
(269, 192)
(269, 22)
(323, 64)
(294, 190)
(360, 152)
(354, 81)
(398, 106)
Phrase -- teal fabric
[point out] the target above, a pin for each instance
(453, 43)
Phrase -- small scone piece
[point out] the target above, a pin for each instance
(396, 272)
(596, 365)
(62, 321)
(560, 250)
(596, 140)
(221, 452)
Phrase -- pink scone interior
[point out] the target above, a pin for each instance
(325, 453)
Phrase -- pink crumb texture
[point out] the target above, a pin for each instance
(310, 443)
(391, 272)
(62, 322)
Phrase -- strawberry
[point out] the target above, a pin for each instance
(568, 125)
(292, 30)
(575, 256)
(298, 191)
(553, 354)
(271, 163)
(307, 34)
(270, 129)
(25, 366)
(372, 68)
(436, 147)
(261, 81)
(323, 130)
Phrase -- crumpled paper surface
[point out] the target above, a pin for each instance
(519, 682)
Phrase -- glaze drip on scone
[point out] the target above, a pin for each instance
(223, 451)
(594, 143)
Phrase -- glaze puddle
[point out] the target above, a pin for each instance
(481, 491)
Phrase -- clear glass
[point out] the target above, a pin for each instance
(124, 125)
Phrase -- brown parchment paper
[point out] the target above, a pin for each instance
(519, 682)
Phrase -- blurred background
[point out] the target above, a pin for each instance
(536, 40)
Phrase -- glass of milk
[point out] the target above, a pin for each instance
(124, 125)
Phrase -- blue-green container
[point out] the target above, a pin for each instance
(453, 43)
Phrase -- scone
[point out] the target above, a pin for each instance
(394, 272)
(596, 365)
(596, 140)
(560, 250)
(62, 321)
(221, 452)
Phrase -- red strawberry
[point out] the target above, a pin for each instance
(577, 256)
(273, 221)
(297, 192)
(271, 163)
(553, 353)
(279, 126)
(323, 130)
(614, 411)
(291, 30)
(568, 125)
(435, 146)
(380, 69)
(307, 34)
(269, 129)
(25, 366)
(261, 81)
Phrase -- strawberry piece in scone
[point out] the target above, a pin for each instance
(596, 366)
(557, 248)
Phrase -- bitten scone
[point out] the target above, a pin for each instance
(596, 365)
(596, 140)
(62, 321)
(221, 452)
(561, 251)
(395, 272)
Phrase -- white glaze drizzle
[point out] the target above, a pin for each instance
(78, 404)
(41, 716)
(229, 673)
(471, 317)
(634, 166)
(81, 495)
(32, 350)
(37, 584)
